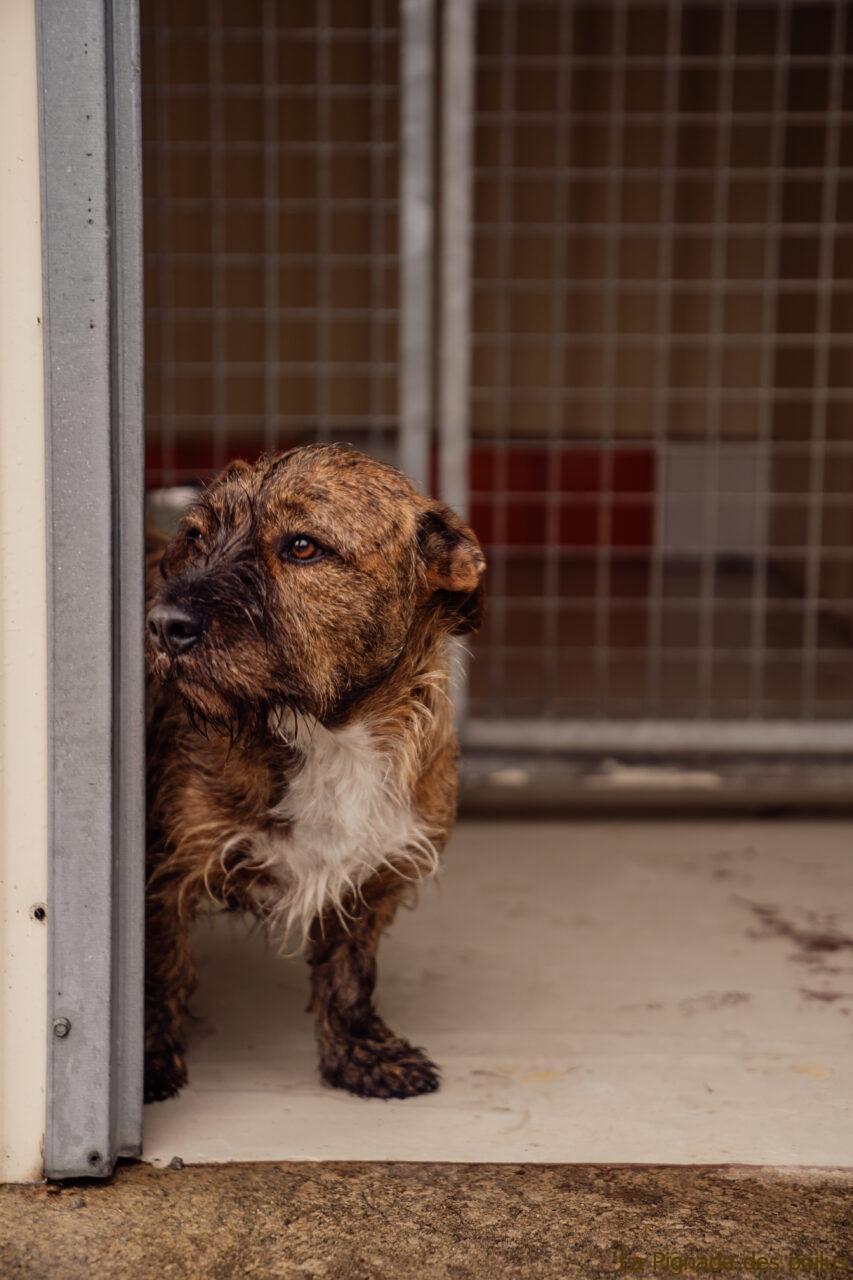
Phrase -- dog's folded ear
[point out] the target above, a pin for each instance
(454, 565)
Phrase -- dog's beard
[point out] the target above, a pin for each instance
(209, 711)
(238, 719)
(217, 701)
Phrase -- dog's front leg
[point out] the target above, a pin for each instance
(357, 1051)
(169, 983)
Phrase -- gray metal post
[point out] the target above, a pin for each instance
(455, 272)
(416, 237)
(453, 427)
(91, 188)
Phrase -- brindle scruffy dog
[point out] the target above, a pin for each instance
(301, 756)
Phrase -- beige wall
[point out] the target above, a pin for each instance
(23, 624)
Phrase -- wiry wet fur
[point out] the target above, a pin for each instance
(302, 758)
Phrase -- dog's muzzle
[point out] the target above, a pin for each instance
(174, 630)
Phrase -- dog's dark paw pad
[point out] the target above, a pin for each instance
(165, 1076)
(381, 1069)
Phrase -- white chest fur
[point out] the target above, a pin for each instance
(346, 819)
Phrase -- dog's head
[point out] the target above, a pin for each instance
(302, 580)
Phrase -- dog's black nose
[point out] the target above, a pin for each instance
(173, 629)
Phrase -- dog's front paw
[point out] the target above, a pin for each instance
(165, 1075)
(378, 1068)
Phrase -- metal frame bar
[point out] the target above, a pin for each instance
(380, 205)
(502, 383)
(661, 737)
(457, 71)
(454, 317)
(91, 192)
(128, 572)
(416, 236)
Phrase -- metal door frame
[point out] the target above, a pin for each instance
(91, 235)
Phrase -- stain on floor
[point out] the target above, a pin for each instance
(816, 937)
(825, 997)
(430, 1221)
(711, 1001)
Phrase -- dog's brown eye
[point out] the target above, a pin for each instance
(301, 547)
(193, 536)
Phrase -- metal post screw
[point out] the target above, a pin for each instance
(61, 1027)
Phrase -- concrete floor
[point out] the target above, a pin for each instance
(433, 1222)
(611, 992)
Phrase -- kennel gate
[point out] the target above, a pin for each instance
(661, 379)
(634, 372)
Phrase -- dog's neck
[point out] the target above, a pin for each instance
(407, 707)
(349, 806)
(416, 673)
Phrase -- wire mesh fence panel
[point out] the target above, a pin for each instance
(658, 427)
(661, 395)
(271, 231)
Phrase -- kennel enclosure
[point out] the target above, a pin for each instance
(584, 269)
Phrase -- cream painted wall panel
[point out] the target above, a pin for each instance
(23, 609)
